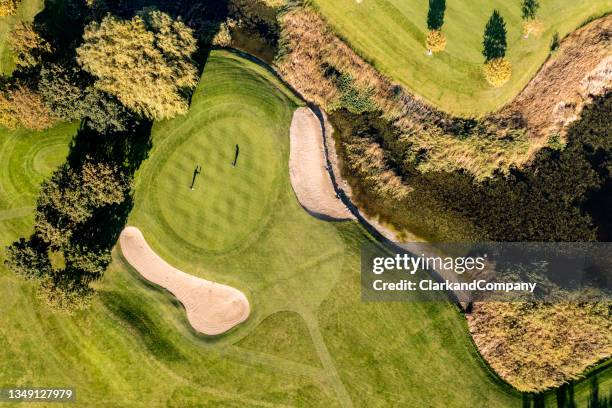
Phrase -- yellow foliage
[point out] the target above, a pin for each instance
(436, 41)
(223, 38)
(8, 7)
(145, 62)
(497, 71)
(7, 117)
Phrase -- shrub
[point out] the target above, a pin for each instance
(353, 98)
(436, 42)
(555, 42)
(498, 71)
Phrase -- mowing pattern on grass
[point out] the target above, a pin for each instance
(395, 37)
(134, 347)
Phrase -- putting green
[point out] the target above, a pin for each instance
(310, 341)
(228, 205)
(395, 37)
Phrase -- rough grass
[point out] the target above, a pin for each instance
(395, 42)
(134, 347)
(26, 12)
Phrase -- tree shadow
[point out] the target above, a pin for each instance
(134, 316)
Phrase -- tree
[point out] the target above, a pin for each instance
(70, 95)
(529, 9)
(494, 41)
(435, 15)
(8, 7)
(28, 109)
(497, 71)
(435, 41)
(145, 62)
(70, 198)
(28, 259)
(27, 45)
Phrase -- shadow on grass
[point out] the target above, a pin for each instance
(133, 315)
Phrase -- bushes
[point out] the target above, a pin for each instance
(497, 72)
(535, 346)
(559, 197)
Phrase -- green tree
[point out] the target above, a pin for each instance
(71, 197)
(435, 15)
(494, 41)
(529, 9)
(70, 95)
(28, 258)
(145, 62)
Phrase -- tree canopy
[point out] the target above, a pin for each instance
(529, 9)
(494, 41)
(145, 62)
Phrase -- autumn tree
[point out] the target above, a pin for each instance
(436, 41)
(27, 45)
(22, 106)
(497, 69)
(8, 7)
(145, 62)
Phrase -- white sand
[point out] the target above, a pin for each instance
(307, 168)
(212, 308)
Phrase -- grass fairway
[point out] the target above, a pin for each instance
(310, 340)
(395, 37)
(26, 12)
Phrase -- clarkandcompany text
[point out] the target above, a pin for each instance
(431, 285)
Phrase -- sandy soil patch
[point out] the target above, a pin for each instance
(308, 168)
(580, 69)
(212, 308)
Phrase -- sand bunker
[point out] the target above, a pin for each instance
(308, 168)
(212, 308)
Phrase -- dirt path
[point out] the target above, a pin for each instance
(308, 169)
(212, 308)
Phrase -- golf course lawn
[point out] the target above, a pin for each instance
(26, 12)
(394, 42)
(309, 341)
